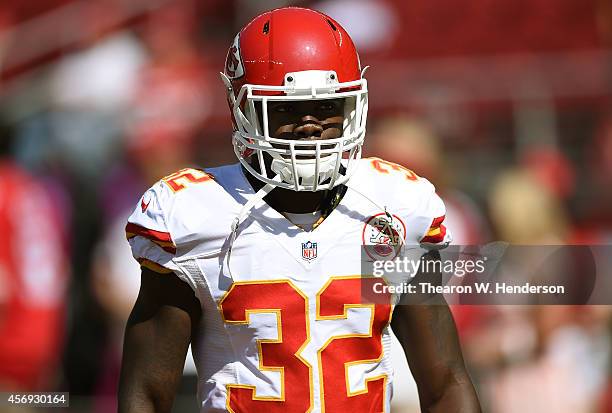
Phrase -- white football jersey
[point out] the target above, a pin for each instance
(283, 326)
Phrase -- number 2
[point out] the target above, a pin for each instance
(290, 305)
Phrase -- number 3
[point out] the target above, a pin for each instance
(384, 167)
(290, 305)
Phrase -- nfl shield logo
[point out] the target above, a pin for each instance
(309, 250)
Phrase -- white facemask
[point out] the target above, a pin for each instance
(311, 165)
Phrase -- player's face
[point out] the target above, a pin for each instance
(306, 120)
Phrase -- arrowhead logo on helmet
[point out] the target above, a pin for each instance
(233, 64)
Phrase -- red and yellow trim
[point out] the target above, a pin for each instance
(153, 266)
(436, 232)
(160, 238)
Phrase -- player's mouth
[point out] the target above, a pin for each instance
(300, 147)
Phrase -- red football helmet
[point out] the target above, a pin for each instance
(295, 54)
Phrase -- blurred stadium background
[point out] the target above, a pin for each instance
(503, 104)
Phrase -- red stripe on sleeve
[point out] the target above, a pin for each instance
(160, 238)
(133, 229)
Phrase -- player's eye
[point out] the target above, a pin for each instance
(283, 108)
(331, 105)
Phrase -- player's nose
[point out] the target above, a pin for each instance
(309, 126)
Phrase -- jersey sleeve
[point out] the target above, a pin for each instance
(433, 212)
(148, 233)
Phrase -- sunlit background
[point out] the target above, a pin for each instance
(503, 104)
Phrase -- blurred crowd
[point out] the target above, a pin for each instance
(504, 105)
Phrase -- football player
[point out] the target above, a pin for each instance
(254, 263)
